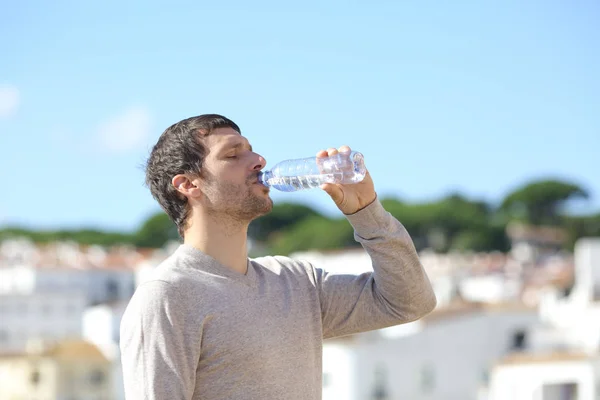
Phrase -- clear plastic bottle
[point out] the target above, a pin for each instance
(312, 172)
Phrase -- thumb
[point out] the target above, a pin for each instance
(335, 192)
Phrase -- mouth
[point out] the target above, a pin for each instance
(255, 180)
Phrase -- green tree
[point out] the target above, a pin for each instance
(82, 236)
(581, 226)
(453, 222)
(282, 217)
(314, 233)
(540, 202)
(156, 231)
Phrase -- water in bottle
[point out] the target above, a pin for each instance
(306, 173)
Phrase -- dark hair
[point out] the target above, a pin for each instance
(180, 150)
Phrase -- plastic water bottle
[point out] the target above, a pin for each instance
(312, 172)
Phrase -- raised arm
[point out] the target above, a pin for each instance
(396, 292)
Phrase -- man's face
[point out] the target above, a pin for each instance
(230, 177)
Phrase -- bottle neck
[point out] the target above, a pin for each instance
(264, 177)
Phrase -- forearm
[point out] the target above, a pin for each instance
(399, 277)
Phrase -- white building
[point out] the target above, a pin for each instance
(563, 357)
(572, 321)
(587, 262)
(101, 326)
(65, 267)
(477, 352)
(145, 268)
(99, 285)
(441, 270)
(492, 288)
(50, 317)
(71, 369)
(446, 355)
(476, 277)
(44, 289)
(550, 376)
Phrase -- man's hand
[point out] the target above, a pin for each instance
(353, 197)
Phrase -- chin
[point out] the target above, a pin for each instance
(264, 189)
(267, 206)
(256, 206)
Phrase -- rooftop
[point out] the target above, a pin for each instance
(461, 308)
(67, 350)
(544, 358)
(68, 255)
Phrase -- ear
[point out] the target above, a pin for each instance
(186, 186)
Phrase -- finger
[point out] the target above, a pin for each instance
(335, 192)
(344, 149)
(322, 153)
(331, 151)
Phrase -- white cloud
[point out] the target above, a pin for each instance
(126, 131)
(10, 98)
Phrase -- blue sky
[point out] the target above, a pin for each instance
(475, 97)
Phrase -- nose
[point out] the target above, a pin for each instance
(261, 162)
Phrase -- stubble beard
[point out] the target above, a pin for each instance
(238, 204)
(253, 206)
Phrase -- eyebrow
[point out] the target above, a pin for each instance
(237, 146)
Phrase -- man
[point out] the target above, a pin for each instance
(212, 323)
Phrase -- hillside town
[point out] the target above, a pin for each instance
(524, 324)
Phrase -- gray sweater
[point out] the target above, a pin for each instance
(198, 330)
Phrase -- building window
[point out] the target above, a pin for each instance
(380, 386)
(112, 289)
(326, 379)
(427, 379)
(97, 377)
(70, 308)
(485, 376)
(35, 377)
(560, 391)
(518, 340)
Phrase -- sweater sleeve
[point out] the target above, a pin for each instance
(397, 291)
(159, 357)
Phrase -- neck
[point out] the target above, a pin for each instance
(221, 237)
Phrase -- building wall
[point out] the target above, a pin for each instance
(85, 380)
(543, 381)
(99, 285)
(101, 326)
(45, 377)
(45, 316)
(22, 378)
(339, 369)
(17, 279)
(587, 261)
(446, 360)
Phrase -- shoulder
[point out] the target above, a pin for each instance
(157, 303)
(168, 286)
(173, 273)
(282, 265)
(152, 296)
